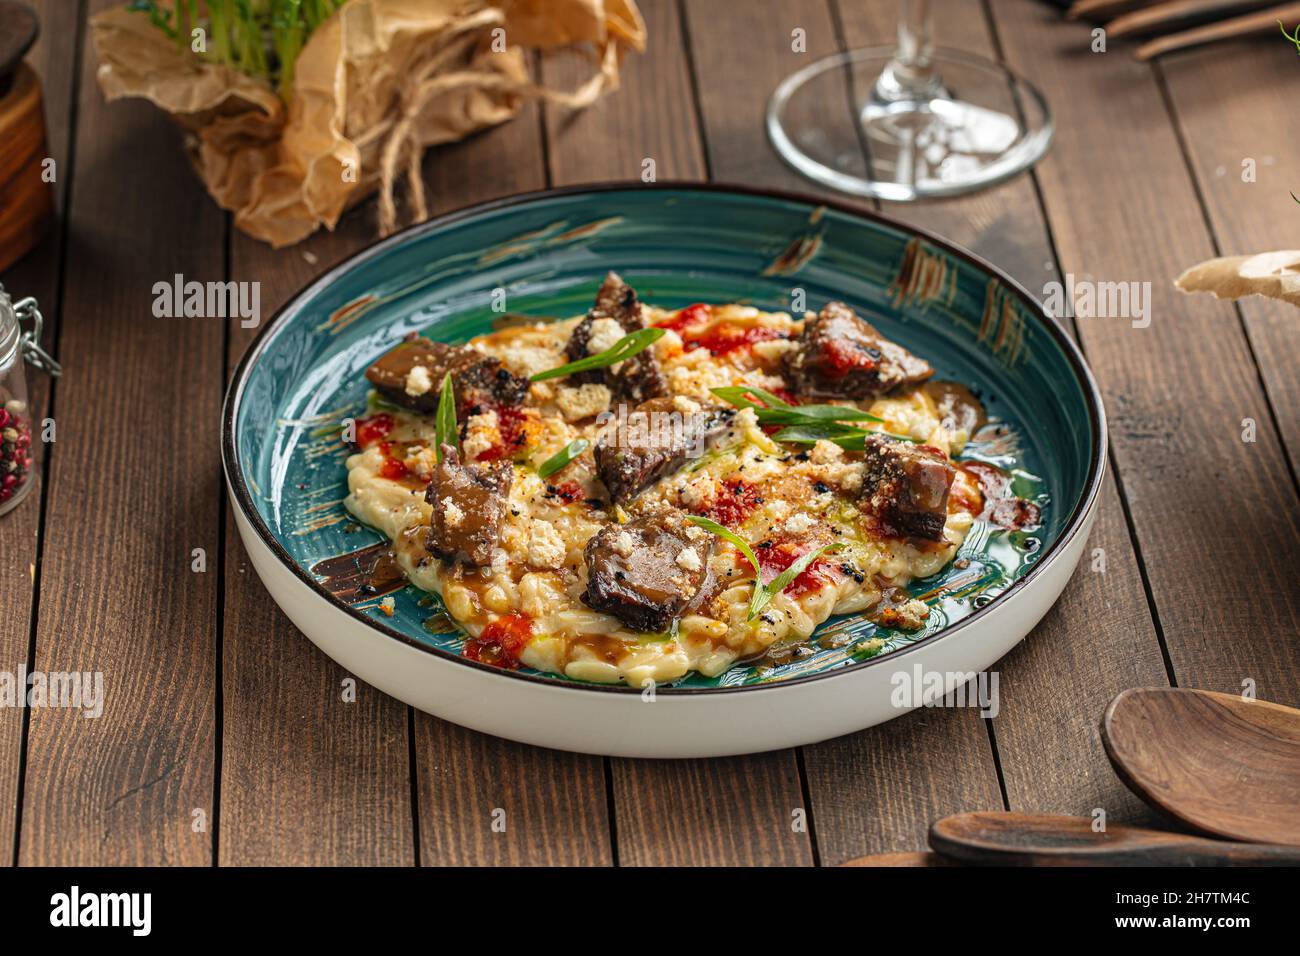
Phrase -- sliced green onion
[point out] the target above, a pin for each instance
(763, 593)
(444, 422)
(708, 524)
(626, 347)
(561, 458)
(784, 579)
(773, 411)
(738, 396)
(846, 436)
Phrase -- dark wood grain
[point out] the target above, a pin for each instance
(1049, 753)
(485, 801)
(1027, 839)
(877, 790)
(667, 811)
(1216, 517)
(1253, 124)
(463, 776)
(54, 58)
(1218, 763)
(134, 489)
(652, 116)
(307, 778)
(737, 811)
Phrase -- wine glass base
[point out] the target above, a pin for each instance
(983, 125)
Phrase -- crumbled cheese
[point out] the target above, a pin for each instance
(799, 523)
(688, 560)
(699, 492)
(545, 546)
(481, 433)
(825, 452)
(452, 515)
(387, 605)
(773, 349)
(685, 405)
(851, 477)
(418, 381)
(604, 334)
(527, 360)
(624, 544)
(585, 401)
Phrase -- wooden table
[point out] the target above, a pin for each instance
(224, 737)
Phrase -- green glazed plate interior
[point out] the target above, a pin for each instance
(544, 256)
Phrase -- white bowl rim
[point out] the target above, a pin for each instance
(242, 498)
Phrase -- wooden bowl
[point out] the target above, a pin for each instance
(26, 199)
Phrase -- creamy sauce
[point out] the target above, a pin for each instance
(524, 609)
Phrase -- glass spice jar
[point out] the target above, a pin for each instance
(18, 346)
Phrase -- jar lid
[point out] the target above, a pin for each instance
(9, 331)
(13, 338)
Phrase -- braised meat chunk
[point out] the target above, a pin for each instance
(652, 441)
(469, 506)
(906, 487)
(411, 375)
(843, 356)
(617, 313)
(648, 571)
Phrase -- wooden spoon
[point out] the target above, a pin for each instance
(1218, 763)
(1175, 14)
(998, 838)
(1265, 21)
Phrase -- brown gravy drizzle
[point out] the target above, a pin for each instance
(1001, 507)
(958, 403)
(360, 575)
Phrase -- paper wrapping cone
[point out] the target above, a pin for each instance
(1272, 274)
(377, 84)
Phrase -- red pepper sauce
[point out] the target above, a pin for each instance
(696, 314)
(511, 423)
(842, 358)
(393, 468)
(734, 503)
(775, 558)
(501, 642)
(720, 339)
(726, 337)
(372, 428)
(568, 492)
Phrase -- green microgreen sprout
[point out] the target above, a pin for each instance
(763, 593)
(561, 458)
(444, 421)
(626, 347)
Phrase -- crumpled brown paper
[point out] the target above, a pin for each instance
(1272, 274)
(375, 85)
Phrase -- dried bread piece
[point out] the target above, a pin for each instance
(1272, 274)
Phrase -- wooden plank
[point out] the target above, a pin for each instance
(134, 488)
(464, 777)
(54, 59)
(924, 764)
(1215, 516)
(667, 811)
(1259, 126)
(1049, 751)
(307, 778)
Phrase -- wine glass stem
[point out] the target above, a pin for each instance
(911, 74)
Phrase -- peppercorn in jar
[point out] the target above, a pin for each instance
(18, 347)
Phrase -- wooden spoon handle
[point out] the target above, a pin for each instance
(1260, 22)
(1102, 8)
(1176, 13)
(1025, 839)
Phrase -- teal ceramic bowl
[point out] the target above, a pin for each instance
(676, 244)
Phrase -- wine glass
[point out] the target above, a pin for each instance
(919, 122)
